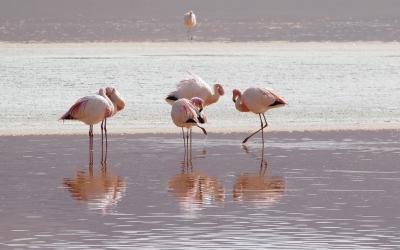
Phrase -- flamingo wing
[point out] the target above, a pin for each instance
(192, 86)
(271, 97)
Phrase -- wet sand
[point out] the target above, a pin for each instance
(330, 190)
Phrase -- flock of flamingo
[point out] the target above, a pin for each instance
(188, 102)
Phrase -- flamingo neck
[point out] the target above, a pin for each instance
(240, 106)
(213, 99)
(112, 106)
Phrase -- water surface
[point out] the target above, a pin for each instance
(327, 85)
(332, 190)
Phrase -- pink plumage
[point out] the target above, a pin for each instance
(90, 109)
(194, 86)
(258, 101)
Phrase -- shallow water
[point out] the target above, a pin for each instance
(327, 85)
(336, 190)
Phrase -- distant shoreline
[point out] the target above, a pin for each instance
(195, 42)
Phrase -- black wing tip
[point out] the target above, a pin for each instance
(67, 117)
(171, 97)
(191, 121)
(201, 119)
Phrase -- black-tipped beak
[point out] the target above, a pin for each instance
(234, 100)
(204, 131)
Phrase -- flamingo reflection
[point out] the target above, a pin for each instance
(195, 188)
(259, 188)
(101, 191)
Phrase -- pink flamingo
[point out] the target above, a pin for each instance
(258, 101)
(186, 114)
(194, 86)
(91, 110)
(189, 19)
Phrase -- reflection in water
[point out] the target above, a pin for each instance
(194, 189)
(259, 188)
(101, 191)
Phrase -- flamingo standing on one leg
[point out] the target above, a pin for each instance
(258, 101)
(185, 114)
(194, 86)
(91, 110)
(189, 20)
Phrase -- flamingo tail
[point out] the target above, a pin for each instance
(73, 110)
(67, 116)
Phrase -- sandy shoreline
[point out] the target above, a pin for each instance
(169, 131)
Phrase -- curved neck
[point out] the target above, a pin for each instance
(214, 98)
(240, 106)
(110, 102)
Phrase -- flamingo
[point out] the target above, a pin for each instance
(91, 110)
(189, 20)
(185, 114)
(258, 101)
(194, 86)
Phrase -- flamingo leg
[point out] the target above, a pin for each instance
(105, 132)
(187, 145)
(102, 134)
(265, 119)
(102, 139)
(190, 157)
(184, 146)
(262, 129)
(91, 137)
(248, 137)
(91, 145)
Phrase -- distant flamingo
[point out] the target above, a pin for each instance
(258, 101)
(194, 86)
(189, 19)
(185, 114)
(91, 110)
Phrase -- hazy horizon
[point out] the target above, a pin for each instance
(233, 20)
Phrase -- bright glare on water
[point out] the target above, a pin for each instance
(327, 85)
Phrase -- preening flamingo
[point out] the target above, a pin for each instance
(186, 114)
(194, 86)
(94, 109)
(258, 101)
(189, 20)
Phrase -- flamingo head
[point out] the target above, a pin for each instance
(102, 92)
(198, 103)
(115, 97)
(219, 89)
(235, 94)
